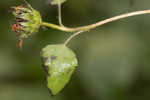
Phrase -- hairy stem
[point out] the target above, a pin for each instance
(88, 27)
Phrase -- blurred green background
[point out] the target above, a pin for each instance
(114, 59)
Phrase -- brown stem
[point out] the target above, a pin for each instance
(88, 27)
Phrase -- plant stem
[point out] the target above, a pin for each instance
(61, 28)
(59, 14)
(88, 27)
(72, 36)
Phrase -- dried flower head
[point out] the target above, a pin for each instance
(27, 22)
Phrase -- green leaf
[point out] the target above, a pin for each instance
(56, 2)
(59, 63)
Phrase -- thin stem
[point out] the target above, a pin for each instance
(59, 14)
(72, 36)
(88, 27)
(61, 28)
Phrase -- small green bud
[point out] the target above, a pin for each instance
(28, 21)
(56, 2)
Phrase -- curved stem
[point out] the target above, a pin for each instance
(71, 37)
(88, 27)
(59, 14)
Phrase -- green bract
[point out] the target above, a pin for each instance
(56, 2)
(59, 63)
(28, 20)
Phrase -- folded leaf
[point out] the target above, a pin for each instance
(59, 63)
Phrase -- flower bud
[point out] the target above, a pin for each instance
(27, 21)
(56, 2)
